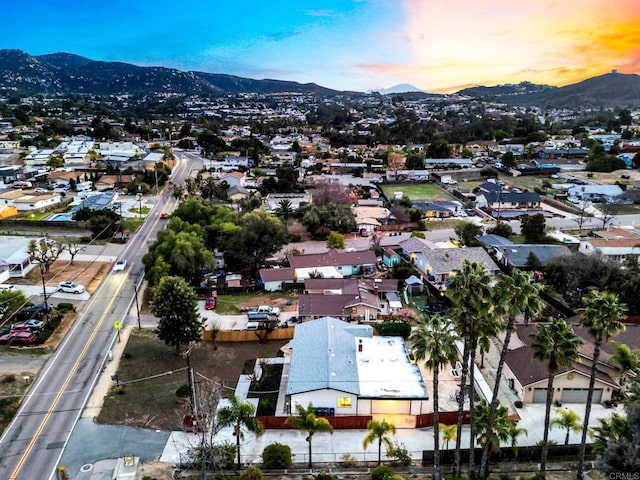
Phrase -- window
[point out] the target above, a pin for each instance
(344, 402)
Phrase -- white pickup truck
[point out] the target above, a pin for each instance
(268, 310)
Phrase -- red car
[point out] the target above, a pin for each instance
(210, 304)
(164, 216)
(22, 337)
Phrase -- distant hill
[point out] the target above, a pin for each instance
(66, 73)
(401, 88)
(608, 90)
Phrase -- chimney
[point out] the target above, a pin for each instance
(375, 290)
(360, 345)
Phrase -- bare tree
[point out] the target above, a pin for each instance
(72, 246)
(44, 252)
(582, 215)
(609, 211)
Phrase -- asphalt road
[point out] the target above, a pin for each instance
(34, 442)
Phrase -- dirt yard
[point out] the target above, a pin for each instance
(89, 274)
(612, 177)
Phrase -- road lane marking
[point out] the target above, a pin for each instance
(45, 420)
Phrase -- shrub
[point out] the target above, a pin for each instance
(394, 329)
(400, 455)
(183, 391)
(252, 473)
(65, 307)
(349, 460)
(382, 472)
(276, 455)
(324, 476)
(225, 454)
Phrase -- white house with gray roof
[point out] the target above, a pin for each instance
(343, 367)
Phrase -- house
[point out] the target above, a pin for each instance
(440, 265)
(616, 244)
(15, 259)
(360, 306)
(527, 376)
(272, 201)
(513, 255)
(276, 279)
(595, 193)
(346, 264)
(368, 219)
(26, 201)
(233, 179)
(438, 209)
(109, 182)
(507, 200)
(390, 257)
(235, 194)
(344, 368)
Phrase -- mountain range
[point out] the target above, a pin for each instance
(66, 73)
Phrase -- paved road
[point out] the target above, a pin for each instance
(34, 442)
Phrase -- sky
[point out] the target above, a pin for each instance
(435, 45)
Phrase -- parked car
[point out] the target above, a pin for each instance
(33, 311)
(120, 265)
(7, 288)
(31, 324)
(70, 287)
(269, 310)
(23, 337)
(210, 303)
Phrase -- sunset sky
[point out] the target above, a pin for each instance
(435, 45)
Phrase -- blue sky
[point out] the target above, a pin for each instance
(436, 45)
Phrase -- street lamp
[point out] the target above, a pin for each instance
(139, 198)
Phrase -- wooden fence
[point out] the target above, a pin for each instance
(346, 422)
(425, 420)
(248, 335)
(508, 454)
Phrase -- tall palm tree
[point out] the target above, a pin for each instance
(307, 421)
(470, 294)
(505, 429)
(557, 344)
(284, 210)
(240, 415)
(627, 359)
(434, 341)
(379, 431)
(519, 294)
(448, 433)
(602, 314)
(568, 420)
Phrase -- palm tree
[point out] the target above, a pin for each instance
(436, 338)
(448, 433)
(567, 420)
(470, 294)
(379, 431)
(240, 415)
(307, 421)
(504, 430)
(519, 295)
(627, 359)
(602, 314)
(284, 210)
(557, 344)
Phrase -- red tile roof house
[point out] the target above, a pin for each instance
(347, 264)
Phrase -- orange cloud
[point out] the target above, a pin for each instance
(502, 41)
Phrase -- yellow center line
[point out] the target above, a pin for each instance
(45, 420)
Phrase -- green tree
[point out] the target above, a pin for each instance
(55, 161)
(471, 297)
(434, 341)
(241, 416)
(468, 233)
(284, 211)
(176, 306)
(533, 228)
(568, 420)
(336, 240)
(503, 229)
(260, 236)
(307, 421)
(504, 429)
(379, 431)
(602, 317)
(557, 344)
(517, 294)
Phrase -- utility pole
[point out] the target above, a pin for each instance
(190, 382)
(135, 289)
(139, 198)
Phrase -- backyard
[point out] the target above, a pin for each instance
(417, 191)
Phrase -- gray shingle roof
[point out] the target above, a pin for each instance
(324, 356)
(444, 260)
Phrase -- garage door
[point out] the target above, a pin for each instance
(539, 395)
(579, 395)
(397, 407)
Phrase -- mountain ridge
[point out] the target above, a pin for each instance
(68, 73)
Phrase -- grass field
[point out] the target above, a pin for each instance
(417, 191)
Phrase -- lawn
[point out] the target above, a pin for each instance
(417, 191)
(156, 373)
(233, 304)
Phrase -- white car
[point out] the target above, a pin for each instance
(70, 287)
(7, 288)
(120, 265)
